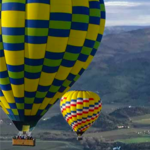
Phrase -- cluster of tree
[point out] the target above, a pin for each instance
(107, 123)
(55, 123)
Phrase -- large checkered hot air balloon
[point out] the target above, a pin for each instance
(45, 46)
(80, 109)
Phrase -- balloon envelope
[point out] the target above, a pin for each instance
(80, 109)
(45, 46)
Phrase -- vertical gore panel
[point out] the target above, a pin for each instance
(85, 56)
(78, 31)
(36, 36)
(93, 39)
(59, 31)
(13, 23)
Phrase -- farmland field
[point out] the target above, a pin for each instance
(142, 119)
(136, 140)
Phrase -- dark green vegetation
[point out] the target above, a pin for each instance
(53, 123)
(128, 112)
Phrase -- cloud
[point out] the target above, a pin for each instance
(123, 4)
(127, 12)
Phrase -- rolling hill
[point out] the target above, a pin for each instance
(127, 112)
(120, 70)
(120, 29)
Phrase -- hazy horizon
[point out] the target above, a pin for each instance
(127, 12)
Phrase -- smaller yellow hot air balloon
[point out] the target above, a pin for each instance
(80, 109)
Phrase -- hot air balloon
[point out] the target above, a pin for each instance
(80, 109)
(45, 46)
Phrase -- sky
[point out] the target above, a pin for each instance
(127, 12)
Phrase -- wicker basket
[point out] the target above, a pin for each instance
(23, 142)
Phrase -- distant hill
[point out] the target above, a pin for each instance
(121, 29)
(107, 122)
(120, 70)
(126, 113)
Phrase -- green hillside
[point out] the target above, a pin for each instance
(120, 70)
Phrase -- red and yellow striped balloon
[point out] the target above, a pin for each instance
(80, 109)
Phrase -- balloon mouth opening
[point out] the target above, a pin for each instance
(26, 125)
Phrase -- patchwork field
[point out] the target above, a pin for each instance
(144, 120)
(136, 140)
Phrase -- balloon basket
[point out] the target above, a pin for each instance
(23, 142)
(79, 138)
(23, 139)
